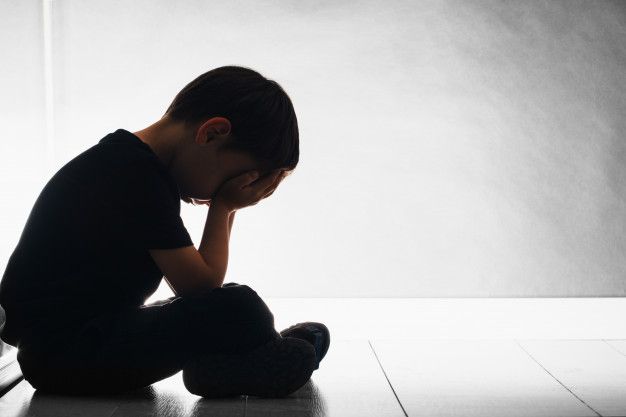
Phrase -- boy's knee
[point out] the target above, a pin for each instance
(245, 298)
(240, 292)
(234, 302)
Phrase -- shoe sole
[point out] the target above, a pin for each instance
(316, 324)
(274, 370)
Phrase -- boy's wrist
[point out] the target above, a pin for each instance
(220, 206)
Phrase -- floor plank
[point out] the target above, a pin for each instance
(349, 382)
(169, 397)
(166, 398)
(24, 401)
(592, 369)
(619, 345)
(472, 378)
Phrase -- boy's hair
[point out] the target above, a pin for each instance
(262, 117)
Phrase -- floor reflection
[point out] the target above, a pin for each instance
(307, 401)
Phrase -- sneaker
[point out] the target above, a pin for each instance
(313, 332)
(274, 370)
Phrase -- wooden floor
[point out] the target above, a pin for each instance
(396, 376)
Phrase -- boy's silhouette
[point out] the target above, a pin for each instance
(106, 228)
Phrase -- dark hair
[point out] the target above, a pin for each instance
(262, 117)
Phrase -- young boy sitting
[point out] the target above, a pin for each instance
(106, 229)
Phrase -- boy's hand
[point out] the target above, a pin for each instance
(247, 189)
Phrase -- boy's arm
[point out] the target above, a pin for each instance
(188, 270)
(230, 222)
(215, 239)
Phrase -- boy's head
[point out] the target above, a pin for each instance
(227, 121)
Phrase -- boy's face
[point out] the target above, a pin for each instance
(201, 184)
(195, 156)
(202, 165)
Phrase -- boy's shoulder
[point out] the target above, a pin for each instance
(119, 166)
(125, 148)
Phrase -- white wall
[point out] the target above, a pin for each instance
(23, 146)
(448, 148)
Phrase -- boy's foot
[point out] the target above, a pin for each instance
(275, 369)
(313, 332)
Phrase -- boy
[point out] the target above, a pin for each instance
(106, 228)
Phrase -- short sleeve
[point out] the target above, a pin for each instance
(152, 212)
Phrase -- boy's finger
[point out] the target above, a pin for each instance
(247, 178)
(269, 194)
(270, 189)
(267, 180)
(279, 177)
(276, 182)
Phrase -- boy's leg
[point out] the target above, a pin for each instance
(133, 348)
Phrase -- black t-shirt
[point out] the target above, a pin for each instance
(84, 248)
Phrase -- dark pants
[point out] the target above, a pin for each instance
(133, 348)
